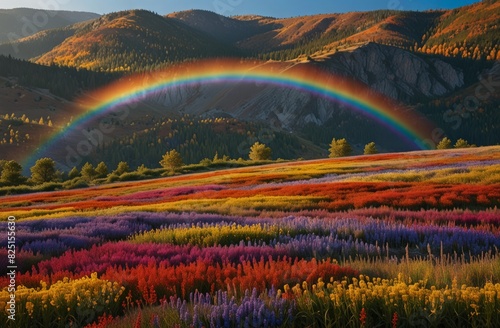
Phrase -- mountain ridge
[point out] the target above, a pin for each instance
(392, 53)
(19, 23)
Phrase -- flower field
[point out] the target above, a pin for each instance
(389, 240)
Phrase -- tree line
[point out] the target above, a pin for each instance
(44, 172)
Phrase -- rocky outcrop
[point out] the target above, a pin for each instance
(396, 73)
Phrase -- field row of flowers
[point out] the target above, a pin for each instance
(443, 180)
(159, 256)
(407, 240)
(296, 236)
(77, 301)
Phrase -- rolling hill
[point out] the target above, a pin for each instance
(133, 41)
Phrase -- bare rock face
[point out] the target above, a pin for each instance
(393, 72)
(396, 73)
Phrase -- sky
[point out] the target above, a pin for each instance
(274, 8)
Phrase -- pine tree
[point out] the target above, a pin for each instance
(461, 143)
(172, 160)
(445, 143)
(370, 149)
(101, 170)
(73, 173)
(122, 168)
(88, 172)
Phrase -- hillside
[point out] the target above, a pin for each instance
(198, 34)
(38, 44)
(19, 23)
(436, 32)
(470, 32)
(133, 41)
(224, 29)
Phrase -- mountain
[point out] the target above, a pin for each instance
(431, 32)
(132, 41)
(224, 29)
(38, 44)
(469, 32)
(23, 22)
(432, 63)
(403, 76)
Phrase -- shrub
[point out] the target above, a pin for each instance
(75, 183)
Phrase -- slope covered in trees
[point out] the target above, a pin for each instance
(135, 40)
(65, 82)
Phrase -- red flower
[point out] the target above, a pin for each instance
(362, 317)
(138, 321)
(395, 320)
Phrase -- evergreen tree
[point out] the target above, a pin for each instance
(461, 143)
(73, 173)
(142, 169)
(2, 164)
(445, 143)
(339, 148)
(122, 168)
(259, 152)
(101, 170)
(370, 149)
(172, 160)
(88, 172)
(43, 171)
(12, 173)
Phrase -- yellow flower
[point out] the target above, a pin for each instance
(29, 307)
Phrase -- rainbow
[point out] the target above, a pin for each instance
(132, 89)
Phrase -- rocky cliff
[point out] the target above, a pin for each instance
(396, 73)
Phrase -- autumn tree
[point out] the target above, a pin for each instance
(260, 152)
(172, 160)
(340, 148)
(12, 173)
(445, 143)
(43, 171)
(370, 149)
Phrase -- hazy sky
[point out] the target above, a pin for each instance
(276, 8)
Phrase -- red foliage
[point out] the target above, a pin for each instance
(103, 322)
(204, 277)
(329, 270)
